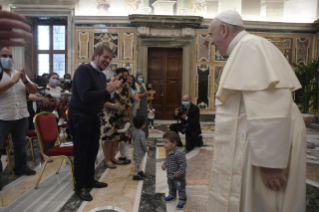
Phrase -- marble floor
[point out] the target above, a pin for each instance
(125, 195)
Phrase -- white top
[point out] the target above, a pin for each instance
(54, 92)
(13, 102)
(151, 113)
(126, 127)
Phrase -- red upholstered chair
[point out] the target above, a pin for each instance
(7, 147)
(32, 134)
(65, 126)
(45, 125)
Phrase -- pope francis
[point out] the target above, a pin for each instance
(259, 162)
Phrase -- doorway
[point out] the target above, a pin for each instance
(165, 67)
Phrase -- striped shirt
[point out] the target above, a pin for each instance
(175, 162)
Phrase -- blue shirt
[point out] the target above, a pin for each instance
(175, 162)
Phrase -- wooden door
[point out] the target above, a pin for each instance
(165, 75)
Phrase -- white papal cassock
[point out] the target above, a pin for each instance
(257, 125)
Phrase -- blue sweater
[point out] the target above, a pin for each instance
(88, 92)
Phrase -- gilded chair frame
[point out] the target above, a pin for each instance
(50, 157)
(64, 128)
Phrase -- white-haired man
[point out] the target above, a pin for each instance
(259, 150)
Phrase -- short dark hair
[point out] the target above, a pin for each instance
(40, 79)
(50, 75)
(67, 75)
(138, 122)
(67, 85)
(126, 113)
(100, 49)
(45, 75)
(171, 136)
(120, 70)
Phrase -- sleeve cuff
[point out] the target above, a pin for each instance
(269, 141)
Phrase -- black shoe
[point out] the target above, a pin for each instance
(124, 158)
(142, 174)
(97, 184)
(138, 177)
(26, 172)
(83, 194)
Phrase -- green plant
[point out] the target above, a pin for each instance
(307, 96)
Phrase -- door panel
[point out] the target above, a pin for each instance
(165, 74)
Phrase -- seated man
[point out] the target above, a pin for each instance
(189, 124)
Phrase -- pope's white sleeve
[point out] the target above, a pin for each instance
(269, 126)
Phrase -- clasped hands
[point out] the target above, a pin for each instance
(18, 76)
(273, 179)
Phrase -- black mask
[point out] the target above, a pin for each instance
(122, 78)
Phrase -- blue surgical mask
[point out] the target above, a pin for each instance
(67, 80)
(55, 82)
(7, 63)
(185, 104)
(140, 80)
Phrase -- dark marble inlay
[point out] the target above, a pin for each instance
(312, 199)
(203, 73)
(151, 201)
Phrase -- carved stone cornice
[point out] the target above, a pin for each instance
(316, 23)
(164, 21)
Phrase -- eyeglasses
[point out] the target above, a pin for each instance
(6, 55)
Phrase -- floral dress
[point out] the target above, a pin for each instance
(111, 118)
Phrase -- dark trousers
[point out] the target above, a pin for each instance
(86, 135)
(177, 128)
(18, 130)
(177, 184)
(151, 122)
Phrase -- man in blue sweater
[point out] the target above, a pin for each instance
(89, 93)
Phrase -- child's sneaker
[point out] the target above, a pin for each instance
(138, 177)
(61, 122)
(169, 199)
(56, 114)
(180, 205)
(142, 174)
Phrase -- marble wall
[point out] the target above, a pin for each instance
(122, 42)
(297, 48)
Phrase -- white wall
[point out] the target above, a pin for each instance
(300, 11)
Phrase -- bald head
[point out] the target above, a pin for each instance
(5, 51)
(186, 98)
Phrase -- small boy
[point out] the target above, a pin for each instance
(139, 145)
(151, 116)
(175, 163)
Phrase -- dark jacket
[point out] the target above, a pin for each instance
(194, 130)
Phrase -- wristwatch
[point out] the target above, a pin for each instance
(26, 82)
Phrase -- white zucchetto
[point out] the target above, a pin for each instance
(230, 17)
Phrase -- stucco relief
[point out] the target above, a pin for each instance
(128, 46)
(202, 86)
(166, 33)
(218, 70)
(111, 39)
(84, 38)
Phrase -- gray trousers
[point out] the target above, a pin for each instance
(138, 159)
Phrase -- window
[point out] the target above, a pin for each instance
(50, 48)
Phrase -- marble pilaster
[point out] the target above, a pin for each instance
(272, 10)
(18, 54)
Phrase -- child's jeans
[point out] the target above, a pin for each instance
(138, 160)
(178, 184)
(151, 122)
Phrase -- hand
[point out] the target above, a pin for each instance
(176, 175)
(164, 167)
(115, 130)
(23, 76)
(152, 91)
(119, 107)
(183, 116)
(46, 101)
(176, 111)
(113, 84)
(9, 21)
(273, 178)
(16, 78)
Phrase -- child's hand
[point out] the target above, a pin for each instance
(176, 175)
(164, 167)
